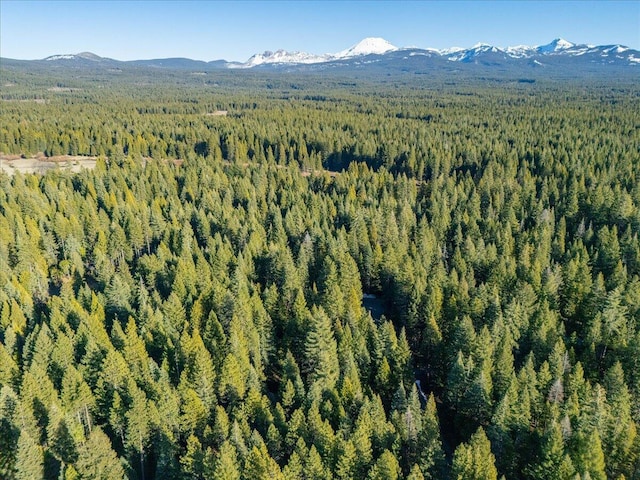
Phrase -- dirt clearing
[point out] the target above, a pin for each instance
(41, 164)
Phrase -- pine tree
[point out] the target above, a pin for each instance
(552, 462)
(347, 458)
(361, 439)
(385, 468)
(226, 465)
(199, 370)
(588, 457)
(9, 432)
(321, 355)
(294, 469)
(621, 431)
(474, 460)
(29, 458)
(97, 460)
(415, 473)
(430, 453)
(193, 460)
(138, 428)
(232, 386)
(61, 442)
(314, 467)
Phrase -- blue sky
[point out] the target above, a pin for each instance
(211, 30)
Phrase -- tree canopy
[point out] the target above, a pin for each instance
(331, 281)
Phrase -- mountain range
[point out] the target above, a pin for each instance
(379, 54)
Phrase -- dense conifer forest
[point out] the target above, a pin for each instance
(320, 278)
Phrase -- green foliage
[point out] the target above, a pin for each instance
(226, 465)
(474, 460)
(385, 468)
(321, 355)
(331, 281)
(29, 458)
(96, 458)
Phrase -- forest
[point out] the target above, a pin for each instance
(334, 279)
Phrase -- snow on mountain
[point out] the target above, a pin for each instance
(67, 56)
(368, 46)
(450, 50)
(615, 49)
(75, 56)
(283, 57)
(469, 54)
(483, 47)
(519, 51)
(481, 53)
(556, 45)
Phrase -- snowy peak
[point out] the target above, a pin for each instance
(556, 45)
(66, 56)
(479, 49)
(368, 46)
(283, 57)
(557, 52)
(519, 51)
(483, 48)
(74, 56)
(89, 56)
(615, 49)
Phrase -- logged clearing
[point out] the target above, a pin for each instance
(42, 164)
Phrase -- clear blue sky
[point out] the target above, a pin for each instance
(211, 30)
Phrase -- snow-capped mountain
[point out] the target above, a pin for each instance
(378, 53)
(77, 56)
(67, 56)
(558, 50)
(519, 51)
(467, 55)
(368, 46)
(283, 57)
(556, 45)
(482, 53)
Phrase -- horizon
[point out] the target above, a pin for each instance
(442, 50)
(209, 31)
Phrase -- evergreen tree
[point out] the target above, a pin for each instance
(552, 463)
(474, 460)
(226, 465)
(430, 454)
(97, 460)
(138, 428)
(588, 456)
(385, 468)
(29, 458)
(321, 354)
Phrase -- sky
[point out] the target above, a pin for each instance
(235, 30)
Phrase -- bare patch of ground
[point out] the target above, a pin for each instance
(42, 164)
(63, 89)
(41, 101)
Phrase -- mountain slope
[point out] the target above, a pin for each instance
(368, 46)
(377, 54)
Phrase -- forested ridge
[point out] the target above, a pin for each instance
(212, 317)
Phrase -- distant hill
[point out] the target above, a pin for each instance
(376, 55)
